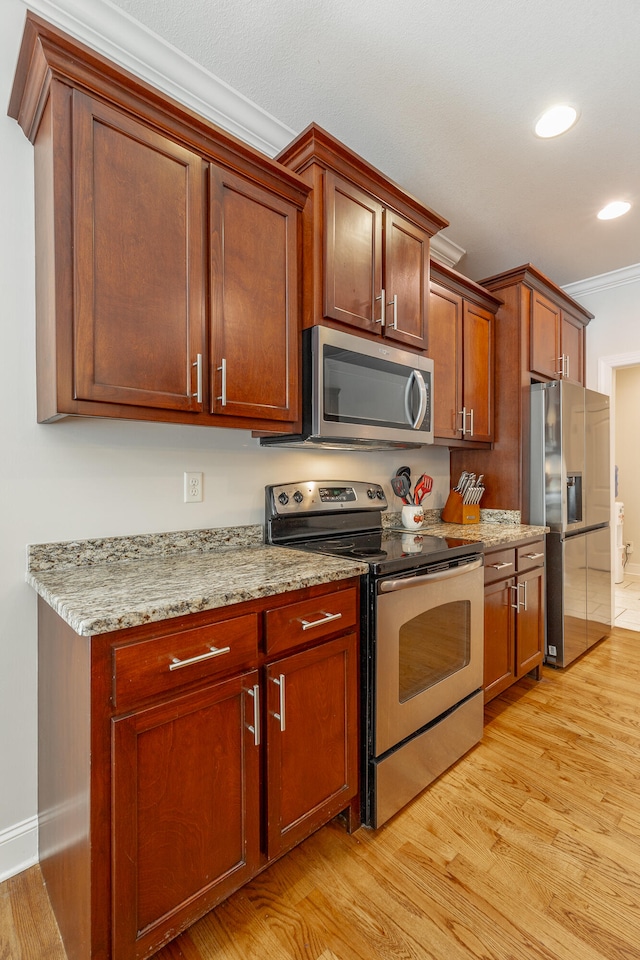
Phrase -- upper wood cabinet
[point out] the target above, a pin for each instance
(461, 343)
(366, 244)
(536, 322)
(557, 341)
(167, 252)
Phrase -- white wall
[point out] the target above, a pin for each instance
(87, 478)
(627, 456)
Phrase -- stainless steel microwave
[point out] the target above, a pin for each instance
(359, 393)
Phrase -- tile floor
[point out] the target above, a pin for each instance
(627, 598)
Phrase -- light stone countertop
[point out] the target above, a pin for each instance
(102, 597)
(98, 586)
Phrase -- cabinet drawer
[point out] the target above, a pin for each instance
(150, 667)
(531, 556)
(499, 564)
(310, 620)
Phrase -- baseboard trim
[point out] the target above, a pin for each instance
(18, 848)
(631, 570)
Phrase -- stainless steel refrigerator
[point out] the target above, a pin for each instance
(570, 494)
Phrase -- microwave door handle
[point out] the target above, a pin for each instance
(417, 378)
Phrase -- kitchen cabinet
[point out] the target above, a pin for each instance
(557, 342)
(461, 343)
(514, 614)
(179, 758)
(167, 252)
(366, 244)
(523, 291)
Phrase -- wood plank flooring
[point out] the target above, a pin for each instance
(528, 848)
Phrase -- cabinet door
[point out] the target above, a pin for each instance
(477, 387)
(406, 280)
(139, 245)
(254, 300)
(499, 637)
(312, 740)
(445, 348)
(530, 621)
(573, 349)
(352, 254)
(545, 359)
(185, 811)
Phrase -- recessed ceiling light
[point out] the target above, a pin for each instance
(556, 120)
(614, 209)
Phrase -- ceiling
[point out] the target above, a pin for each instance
(442, 95)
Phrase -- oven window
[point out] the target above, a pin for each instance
(433, 646)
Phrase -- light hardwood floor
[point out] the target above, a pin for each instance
(528, 848)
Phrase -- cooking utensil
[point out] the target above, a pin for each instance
(423, 487)
(405, 470)
(401, 486)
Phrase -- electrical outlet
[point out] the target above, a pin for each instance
(629, 547)
(192, 487)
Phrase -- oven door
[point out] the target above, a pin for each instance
(428, 648)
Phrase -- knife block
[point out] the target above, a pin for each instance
(455, 511)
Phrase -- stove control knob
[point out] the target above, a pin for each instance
(298, 497)
(283, 499)
(371, 494)
(380, 494)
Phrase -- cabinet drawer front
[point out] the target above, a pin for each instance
(154, 666)
(499, 564)
(531, 556)
(310, 620)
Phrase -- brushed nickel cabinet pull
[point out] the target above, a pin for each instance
(255, 727)
(198, 365)
(326, 618)
(213, 652)
(223, 382)
(279, 681)
(383, 308)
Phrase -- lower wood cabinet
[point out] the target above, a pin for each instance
(514, 614)
(179, 759)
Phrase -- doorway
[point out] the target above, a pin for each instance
(619, 376)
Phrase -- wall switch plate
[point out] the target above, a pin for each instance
(192, 487)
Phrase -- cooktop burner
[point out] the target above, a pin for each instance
(343, 519)
(389, 550)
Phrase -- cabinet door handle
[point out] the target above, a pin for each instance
(198, 365)
(255, 727)
(223, 382)
(212, 652)
(279, 681)
(562, 372)
(463, 413)
(514, 586)
(566, 365)
(394, 303)
(500, 566)
(522, 603)
(325, 618)
(383, 308)
(533, 556)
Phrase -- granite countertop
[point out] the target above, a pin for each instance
(102, 585)
(491, 534)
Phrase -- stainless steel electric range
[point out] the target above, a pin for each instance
(422, 633)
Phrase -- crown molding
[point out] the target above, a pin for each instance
(604, 281)
(446, 251)
(110, 31)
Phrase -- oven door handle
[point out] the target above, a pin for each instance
(389, 586)
(417, 378)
